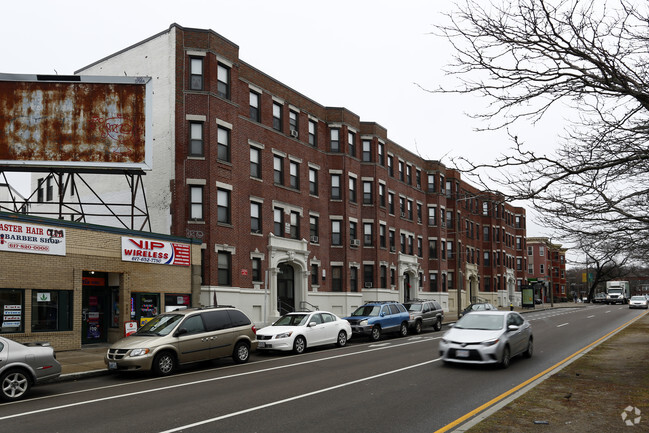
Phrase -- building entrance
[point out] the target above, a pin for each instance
(285, 289)
(95, 309)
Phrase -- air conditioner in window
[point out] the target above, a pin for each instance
(368, 285)
(355, 242)
(403, 214)
(314, 239)
(294, 133)
(419, 220)
(392, 249)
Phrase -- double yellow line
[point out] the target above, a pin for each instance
(502, 396)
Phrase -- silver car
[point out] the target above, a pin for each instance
(487, 337)
(23, 365)
(638, 302)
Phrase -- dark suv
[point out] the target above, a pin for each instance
(375, 318)
(423, 314)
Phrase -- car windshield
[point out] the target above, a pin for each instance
(292, 320)
(412, 307)
(487, 322)
(638, 298)
(160, 325)
(367, 310)
(614, 290)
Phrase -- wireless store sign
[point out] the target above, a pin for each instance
(155, 252)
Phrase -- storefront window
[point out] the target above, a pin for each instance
(114, 309)
(51, 310)
(12, 302)
(177, 301)
(144, 307)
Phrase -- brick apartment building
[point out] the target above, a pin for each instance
(546, 262)
(299, 204)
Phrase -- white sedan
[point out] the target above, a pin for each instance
(638, 302)
(299, 330)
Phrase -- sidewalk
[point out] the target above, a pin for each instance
(89, 360)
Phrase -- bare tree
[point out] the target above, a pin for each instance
(527, 57)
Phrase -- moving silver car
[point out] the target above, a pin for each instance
(23, 365)
(487, 337)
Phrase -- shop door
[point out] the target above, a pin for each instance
(96, 313)
(285, 289)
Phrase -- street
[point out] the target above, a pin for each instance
(395, 385)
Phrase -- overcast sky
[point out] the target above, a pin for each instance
(367, 56)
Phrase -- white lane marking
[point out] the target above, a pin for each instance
(563, 324)
(379, 345)
(590, 317)
(197, 382)
(297, 397)
(606, 312)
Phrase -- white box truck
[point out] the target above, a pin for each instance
(617, 292)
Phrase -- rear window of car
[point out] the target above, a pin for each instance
(215, 320)
(238, 318)
(412, 307)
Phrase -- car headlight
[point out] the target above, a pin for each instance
(139, 352)
(490, 342)
(363, 322)
(284, 335)
(444, 340)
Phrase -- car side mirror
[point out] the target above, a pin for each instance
(181, 331)
(312, 324)
(513, 328)
(382, 314)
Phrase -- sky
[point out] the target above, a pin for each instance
(371, 57)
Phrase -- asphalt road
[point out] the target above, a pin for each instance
(395, 385)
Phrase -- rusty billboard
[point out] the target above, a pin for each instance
(79, 122)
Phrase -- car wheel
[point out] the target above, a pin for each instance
(164, 363)
(241, 352)
(504, 362)
(438, 325)
(299, 345)
(418, 327)
(530, 349)
(15, 385)
(341, 341)
(375, 335)
(403, 331)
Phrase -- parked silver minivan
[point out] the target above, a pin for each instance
(182, 337)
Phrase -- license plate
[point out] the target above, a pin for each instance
(112, 365)
(462, 353)
(261, 344)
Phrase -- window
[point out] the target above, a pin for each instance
(486, 257)
(40, 195)
(293, 122)
(382, 236)
(278, 222)
(51, 310)
(49, 190)
(255, 163)
(432, 248)
(418, 179)
(196, 73)
(391, 236)
(432, 282)
(256, 269)
(409, 209)
(278, 170)
(420, 247)
(223, 206)
(367, 151)
(335, 187)
(530, 250)
(352, 189)
(390, 166)
(381, 195)
(368, 235)
(401, 174)
(443, 251)
(419, 213)
(392, 276)
(542, 268)
(277, 116)
(334, 140)
(294, 175)
(337, 278)
(336, 235)
(408, 175)
(352, 230)
(391, 203)
(313, 228)
(432, 216)
(224, 268)
(195, 202)
(313, 133)
(541, 251)
(314, 275)
(367, 192)
(255, 113)
(485, 233)
(223, 140)
(384, 276)
(13, 305)
(381, 150)
(195, 139)
(431, 183)
(449, 281)
(402, 206)
(313, 181)
(353, 279)
(403, 243)
(295, 225)
(351, 143)
(223, 81)
(368, 275)
(255, 217)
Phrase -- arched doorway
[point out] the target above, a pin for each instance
(285, 289)
(407, 294)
